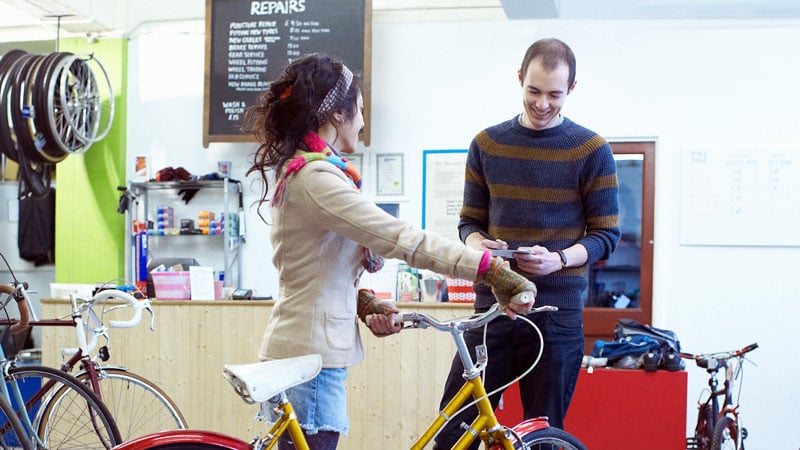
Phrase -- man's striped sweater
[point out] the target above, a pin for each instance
(554, 188)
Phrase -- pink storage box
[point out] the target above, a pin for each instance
(172, 285)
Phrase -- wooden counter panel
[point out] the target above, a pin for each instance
(399, 382)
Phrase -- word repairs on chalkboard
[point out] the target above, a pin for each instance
(740, 197)
(249, 43)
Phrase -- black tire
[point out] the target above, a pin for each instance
(65, 413)
(8, 141)
(139, 407)
(13, 434)
(550, 439)
(726, 435)
(704, 428)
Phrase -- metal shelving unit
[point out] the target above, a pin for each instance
(148, 195)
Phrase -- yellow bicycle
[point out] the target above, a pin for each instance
(268, 381)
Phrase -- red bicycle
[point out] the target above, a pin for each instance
(718, 423)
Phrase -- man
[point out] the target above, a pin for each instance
(547, 186)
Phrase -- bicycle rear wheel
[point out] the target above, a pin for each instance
(726, 435)
(138, 406)
(66, 414)
(550, 439)
(13, 434)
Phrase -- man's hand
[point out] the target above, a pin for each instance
(540, 261)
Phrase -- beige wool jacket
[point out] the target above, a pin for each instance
(317, 236)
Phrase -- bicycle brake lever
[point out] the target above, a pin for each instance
(152, 317)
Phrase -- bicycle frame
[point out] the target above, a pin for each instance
(260, 382)
(287, 421)
(491, 432)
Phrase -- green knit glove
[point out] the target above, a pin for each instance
(506, 284)
(369, 304)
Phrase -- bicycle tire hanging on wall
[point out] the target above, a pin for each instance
(51, 106)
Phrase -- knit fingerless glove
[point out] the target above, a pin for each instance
(369, 304)
(506, 284)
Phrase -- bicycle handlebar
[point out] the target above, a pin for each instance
(718, 359)
(137, 305)
(18, 292)
(130, 301)
(422, 320)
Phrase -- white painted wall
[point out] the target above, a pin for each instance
(713, 85)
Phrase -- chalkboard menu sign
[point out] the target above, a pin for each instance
(249, 43)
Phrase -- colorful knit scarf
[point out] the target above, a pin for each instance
(319, 150)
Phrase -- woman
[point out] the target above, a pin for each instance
(325, 234)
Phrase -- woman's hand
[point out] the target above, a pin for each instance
(383, 324)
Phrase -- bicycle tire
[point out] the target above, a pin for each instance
(704, 428)
(68, 415)
(8, 140)
(14, 435)
(138, 406)
(549, 439)
(726, 435)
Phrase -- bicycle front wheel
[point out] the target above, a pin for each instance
(726, 435)
(13, 434)
(139, 407)
(550, 439)
(66, 414)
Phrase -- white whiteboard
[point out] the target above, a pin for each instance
(740, 198)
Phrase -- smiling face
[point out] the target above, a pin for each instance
(543, 94)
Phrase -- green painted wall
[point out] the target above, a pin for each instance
(90, 234)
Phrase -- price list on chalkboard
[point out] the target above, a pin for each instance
(249, 43)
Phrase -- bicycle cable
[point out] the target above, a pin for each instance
(503, 387)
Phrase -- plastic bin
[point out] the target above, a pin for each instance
(172, 285)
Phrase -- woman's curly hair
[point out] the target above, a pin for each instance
(288, 109)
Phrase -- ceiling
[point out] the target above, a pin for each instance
(27, 20)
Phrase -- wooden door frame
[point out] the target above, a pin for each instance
(599, 322)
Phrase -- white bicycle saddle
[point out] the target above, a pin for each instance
(258, 382)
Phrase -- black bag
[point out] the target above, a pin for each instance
(629, 327)
(36, 231)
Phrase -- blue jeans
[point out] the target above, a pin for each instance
(512, 347)
(320, 403)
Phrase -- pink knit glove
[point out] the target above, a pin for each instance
(507, 286)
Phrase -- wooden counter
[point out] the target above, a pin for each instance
(399, 382)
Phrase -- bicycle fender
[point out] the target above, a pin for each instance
(172, 437)
(535, 424)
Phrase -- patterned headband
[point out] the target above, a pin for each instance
(335, 95)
